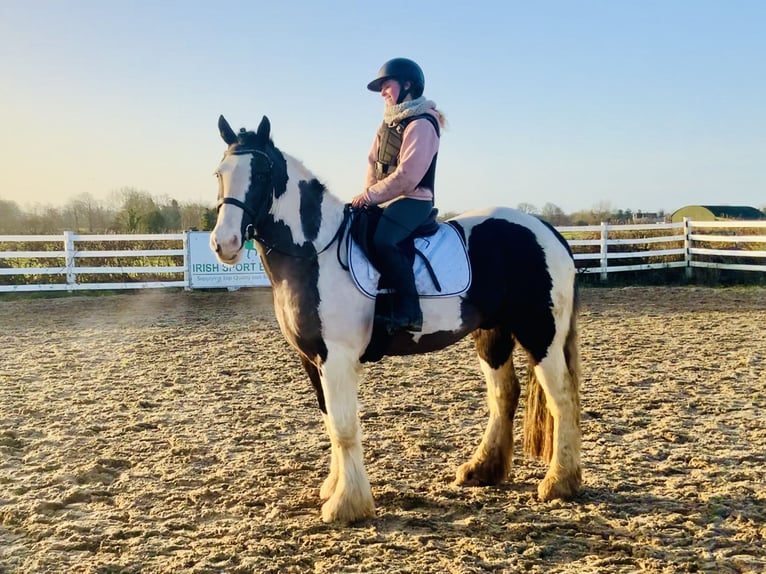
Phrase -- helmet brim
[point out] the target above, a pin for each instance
(377, 84)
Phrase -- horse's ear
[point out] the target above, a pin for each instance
(227, 133)
(264, 130)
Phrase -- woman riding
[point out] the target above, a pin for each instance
(400, 178)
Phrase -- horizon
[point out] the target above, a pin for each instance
(162, 200)
(650, 106)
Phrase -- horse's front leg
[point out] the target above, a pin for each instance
(328, 486)
(347, 488)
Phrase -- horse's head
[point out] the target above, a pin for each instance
(252, 173)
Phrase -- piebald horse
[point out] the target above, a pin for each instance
(522, 293)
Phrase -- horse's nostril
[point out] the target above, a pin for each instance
(218, 248)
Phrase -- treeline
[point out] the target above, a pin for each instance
(554, 215)
(602, 212)
(128, 211)
(133, 211)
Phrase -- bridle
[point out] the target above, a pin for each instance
(255, 218)
(249, 231)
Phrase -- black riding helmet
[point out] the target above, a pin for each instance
(402, 70)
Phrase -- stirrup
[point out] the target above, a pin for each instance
(395, 325)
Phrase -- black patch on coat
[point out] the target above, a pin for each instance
(511, 285)
(312, 193)
(494, 346)
(403, 343)
(278, 169)
(509, 299)
(283, 260)
(316, 381)
(259, 195)
(291, 264)
(279, 173)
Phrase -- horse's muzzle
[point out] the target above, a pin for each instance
(227, 249)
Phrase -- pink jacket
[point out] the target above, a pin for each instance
(420, 143)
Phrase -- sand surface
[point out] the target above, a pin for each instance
(176, 432)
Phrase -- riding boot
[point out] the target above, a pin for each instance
(406, 315)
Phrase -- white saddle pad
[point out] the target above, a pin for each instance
(444, 250)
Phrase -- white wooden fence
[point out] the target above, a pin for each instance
(601, 249)
(669, 245)
(69, 263)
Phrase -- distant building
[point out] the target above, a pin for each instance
(717, 212)
(648, 216)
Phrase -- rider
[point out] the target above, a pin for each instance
(400, 178)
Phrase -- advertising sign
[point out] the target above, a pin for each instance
(206, 272)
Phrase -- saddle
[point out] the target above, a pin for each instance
(436, 250)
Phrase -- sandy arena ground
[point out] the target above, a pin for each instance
(175, 432)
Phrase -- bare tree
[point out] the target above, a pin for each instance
(602, 211)
(87, 214)
(554, 215)
(528, 208)
(10, 217)
(192, 215)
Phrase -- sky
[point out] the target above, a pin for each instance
(640, 104)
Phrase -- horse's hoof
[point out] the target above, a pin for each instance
(474, 474)
(338, 510)
(561, 487)
(466, 476)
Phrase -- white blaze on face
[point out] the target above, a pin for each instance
(226, 237)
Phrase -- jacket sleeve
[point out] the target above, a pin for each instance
(420, 143)
(371, 179)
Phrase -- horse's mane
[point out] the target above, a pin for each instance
(293, 168)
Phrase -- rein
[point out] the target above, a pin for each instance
(272, 247)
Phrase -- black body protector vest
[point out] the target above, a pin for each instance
(391, 143)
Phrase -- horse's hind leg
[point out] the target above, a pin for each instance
(347, 489)
(493, 459)
(561, 386)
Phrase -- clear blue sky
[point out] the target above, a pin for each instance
(638, 104)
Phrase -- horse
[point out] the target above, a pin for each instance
(523, 293)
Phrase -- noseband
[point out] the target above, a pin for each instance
(254, 217)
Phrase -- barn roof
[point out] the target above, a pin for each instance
(735, 211)
(739, 212)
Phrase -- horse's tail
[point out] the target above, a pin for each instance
(538, 422)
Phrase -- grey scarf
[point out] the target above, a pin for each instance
(396, 113)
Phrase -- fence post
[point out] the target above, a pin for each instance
(187, 262)
(69, 256)
(604, 260)
(688, 246)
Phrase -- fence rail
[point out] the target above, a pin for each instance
(667, 245)
(72, 262)
(65, 271)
